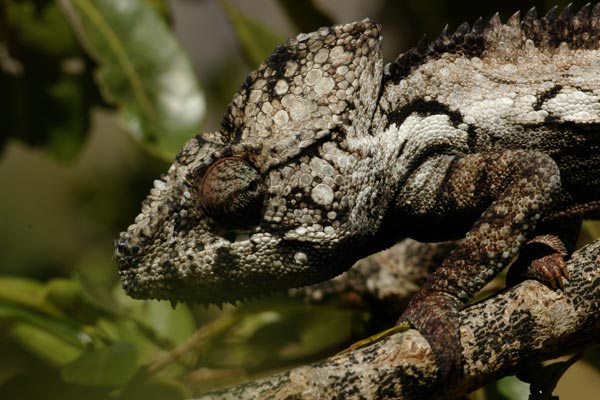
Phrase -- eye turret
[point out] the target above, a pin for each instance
(232, 193)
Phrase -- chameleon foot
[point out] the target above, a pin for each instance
(542, 259)
(435, 316)
(550, 269)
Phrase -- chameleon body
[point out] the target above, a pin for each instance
(489, 133)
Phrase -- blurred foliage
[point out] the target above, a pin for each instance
(142, 69)
(256, 40)
(60, 336)
(47, 91)
(70, 71)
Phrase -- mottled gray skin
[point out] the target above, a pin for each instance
(489, 133)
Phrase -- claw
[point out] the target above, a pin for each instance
(564, 270)
(543, 259)
(550, 269)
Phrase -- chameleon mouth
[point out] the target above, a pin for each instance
(205, 296)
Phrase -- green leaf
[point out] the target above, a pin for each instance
(174, 325)
(512, 388)
(330, 330)
(25, 325)
(52, 108)
(39, 27)
(162, 8)
(67, 129)
(111, 366)
(48, 385)
(305, 14)
(256, 39)
(590, 231)
(38, 325)
(71, 299)
(142, 69)
(46, 92)
(26, 293)
(279, 332)
(157, 388)
(43, 343)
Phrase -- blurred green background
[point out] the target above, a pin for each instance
(95, 99)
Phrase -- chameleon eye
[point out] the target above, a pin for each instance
(232, 193)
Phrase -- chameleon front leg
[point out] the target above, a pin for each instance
(385, 281)
(505, 194)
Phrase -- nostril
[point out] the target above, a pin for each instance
(124, 247)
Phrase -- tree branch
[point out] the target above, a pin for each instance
(526, 323)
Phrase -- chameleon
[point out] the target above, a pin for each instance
(489, 134)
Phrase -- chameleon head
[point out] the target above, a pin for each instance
(274, 198)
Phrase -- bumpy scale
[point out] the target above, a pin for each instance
(325, 156)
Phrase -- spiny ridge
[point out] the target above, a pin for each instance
(580, 30)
